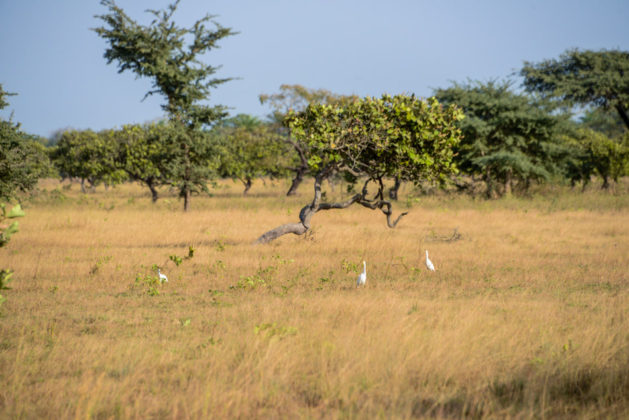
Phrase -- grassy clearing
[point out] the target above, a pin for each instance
(526, 315)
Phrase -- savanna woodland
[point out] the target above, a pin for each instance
(517, 188)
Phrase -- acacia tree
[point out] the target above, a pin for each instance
(508, 139)
(170, 56)
(296, 98)
(368, 140)
(599, 78)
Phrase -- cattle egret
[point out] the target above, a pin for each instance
(429, 263)
(162, 277)
(362, 278)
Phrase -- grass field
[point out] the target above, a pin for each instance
(527, 315)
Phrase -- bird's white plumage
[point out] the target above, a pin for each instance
(429, 263)
(162, 277)
(362, 278)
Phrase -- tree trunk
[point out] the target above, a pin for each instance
(299, 177)
(301, 170)
(605, 185)
(247, 182)
(508, 183)
(393, 192)
(489, 183)
(305, 215)
(623, 115)
(154, 195)
(83, 185)
(185, 194)
(187, 178)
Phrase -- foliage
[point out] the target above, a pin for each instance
(141, 153)
(192, 160)
(23, 159)
(6, 231)
(249, 149)
(169, 56)
(593, 153)
(509, 140)
(605, 122)
(583, 77)
(380, 137)
(295, 98)
(89, 156)
(179, 260)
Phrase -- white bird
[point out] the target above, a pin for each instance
(429, 263)
(362, 278)
(162, 277)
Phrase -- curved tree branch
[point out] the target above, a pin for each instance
(306, 213)
(343, 205)
(385, 207)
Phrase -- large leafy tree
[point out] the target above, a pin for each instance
(508, 139)
(599, 78)
(295, 98)
(368, 140)
(88, 156)
(142, 153)
(170, 55)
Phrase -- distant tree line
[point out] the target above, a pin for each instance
(508, 140)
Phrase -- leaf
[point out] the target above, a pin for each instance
(5, 278)
(16, 212)
(13, 228)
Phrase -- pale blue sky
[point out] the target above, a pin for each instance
(55, 63)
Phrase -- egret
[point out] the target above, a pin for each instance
(429, 263)
(362, 278)
(162, 277)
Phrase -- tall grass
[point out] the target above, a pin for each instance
(525, 317)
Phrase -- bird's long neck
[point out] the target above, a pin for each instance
(426, 253)
(364, 267)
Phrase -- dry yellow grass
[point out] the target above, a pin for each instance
(525, 317)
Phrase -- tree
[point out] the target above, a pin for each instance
(368, 140)
(89, 156)
(142, 153)
(296, 98)
(591, 153)
(23, 159)
(599, 78)
(170, 56)
(509, 140)
(249, 149)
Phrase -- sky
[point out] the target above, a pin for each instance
(52, 59)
